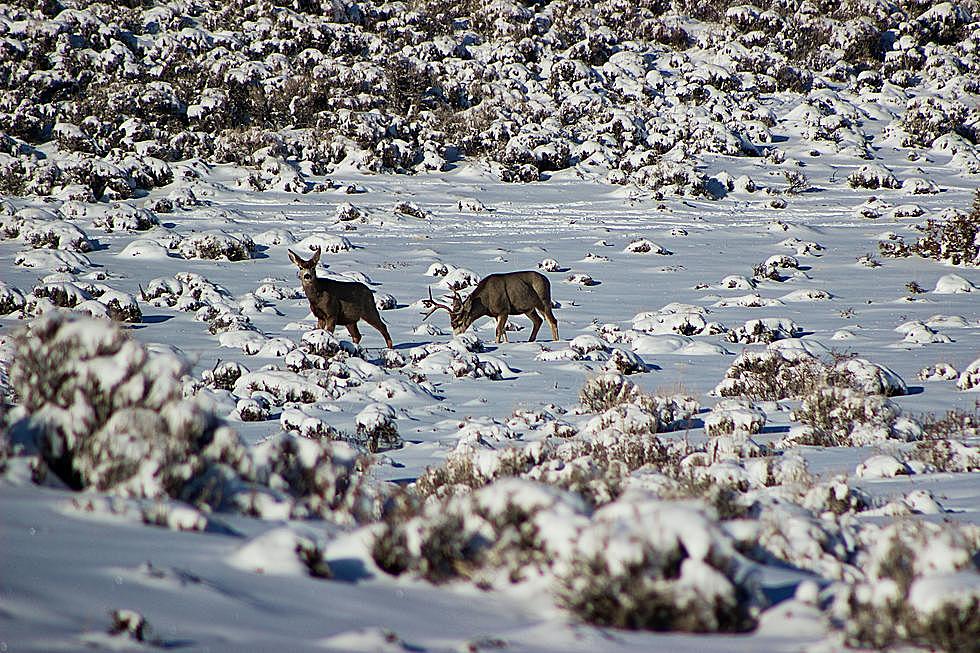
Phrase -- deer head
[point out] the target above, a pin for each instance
(457, 312)
(307, 269)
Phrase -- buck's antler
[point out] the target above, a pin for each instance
(434, 305)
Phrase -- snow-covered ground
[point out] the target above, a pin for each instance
(756, 423)
(66, 568)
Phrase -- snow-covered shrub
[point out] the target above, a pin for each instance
(217, 245)
(952, 284)
(125, 217)
(376, 428)
(308, 421)
(944, 445)
(652, 565)
(458, 279)
(765, 330)
(173, 515)
(672, 177)
(581, 279)
(11, 299)
(327, 243)
(938, 372)
(927, 118)
(769, 269)
(793, 373)
(108, 414)
(385, 301)
(607, 390)
(644, 246)
(549, 265)
(881, 466)
(133, 625)
(625, 419)
(734, 416)
(836, 497)
(464, 469)
(121, 306)
(321, 478)
(410, 209)
(66, 294)
(517, 526)
(842, 417)
(55, 235)
(969, 378)
(946, 455)
(320, 342)
(624, 361)
(595, 466)
(682, 319)
(955, 240)
(921, 586)
(864, 376)
(253, 409)
(796, 182)
(826, 547)
(283, 385)
(873, 176)
(224, 375)
(770, 375)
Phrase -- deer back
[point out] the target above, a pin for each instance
(508, 293)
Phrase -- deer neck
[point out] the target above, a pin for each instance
(310, 287)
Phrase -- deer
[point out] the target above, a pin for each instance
(499, 295)
(338, 302)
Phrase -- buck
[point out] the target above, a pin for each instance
(500, 295)
(338, 302)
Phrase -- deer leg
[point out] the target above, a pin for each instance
(552, 322)
(502, 328)
(375, 321)
(355, 335)
(536, 321)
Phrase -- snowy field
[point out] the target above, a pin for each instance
(757, 432)
(70, 560)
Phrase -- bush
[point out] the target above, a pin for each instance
(910, 594)
(955, 240)
(872, 177)
(943, 447)
(321, 478)
(770, 375)
(107, 414)
(517, 526)
(608, 390)
(133, 625)
(842, 417)
(656, 566)
(217, 245)
(376, 428)
(777, 374)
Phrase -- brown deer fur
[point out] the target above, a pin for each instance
(500, 295)
(338, 302)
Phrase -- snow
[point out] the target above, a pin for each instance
(704, 147)
(934, 593)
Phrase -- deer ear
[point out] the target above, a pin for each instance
(292, 257)
(316, 257)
